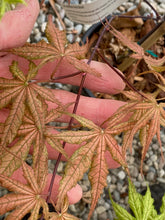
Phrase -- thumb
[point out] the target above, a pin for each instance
(16, 25)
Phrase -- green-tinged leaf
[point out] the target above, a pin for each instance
(147, 205)
(56, 145)
(97, 175)
(120, 212)
(10, 162)
(14, 119)
(17, 73)
(142, 206)
(135, 202)
(162, 208)
(78, 164)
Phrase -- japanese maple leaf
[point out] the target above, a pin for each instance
(25, 198)
(90, 155)
(57, 49)
(27, 135)
(139, 51)
(142, 206)
(18, 94)
(147, 116)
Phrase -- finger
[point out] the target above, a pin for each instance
(74, 195)
(109, 82)
(71, 148)
(16, 25)
(97, 110)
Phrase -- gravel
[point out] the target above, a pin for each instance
(154, 169)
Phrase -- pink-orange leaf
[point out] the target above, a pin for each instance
(57, 49)
(25, 197)
(90, 155)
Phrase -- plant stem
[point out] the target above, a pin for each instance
(121, 75)
(158, 16)
(74, 111)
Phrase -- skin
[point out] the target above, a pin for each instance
(15, 28)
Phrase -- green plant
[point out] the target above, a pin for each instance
(28, 118)
(141, 206)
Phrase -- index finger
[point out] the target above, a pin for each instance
(109, 82)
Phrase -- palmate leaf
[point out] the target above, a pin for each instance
(29, 134)
(91, 155)
(146, 116)
(22, 94)
(142, 206)
(25, 197)
(26, 120)
(57, 49)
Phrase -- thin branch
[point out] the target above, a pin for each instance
(121, 75)
(158, 16)
(74, 111)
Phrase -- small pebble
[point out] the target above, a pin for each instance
(116, 195)
(121, 175)
(150, 176)
(78, 28)
(100, 209)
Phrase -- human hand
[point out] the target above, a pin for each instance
(96, 110)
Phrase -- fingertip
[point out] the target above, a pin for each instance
(75, 194)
